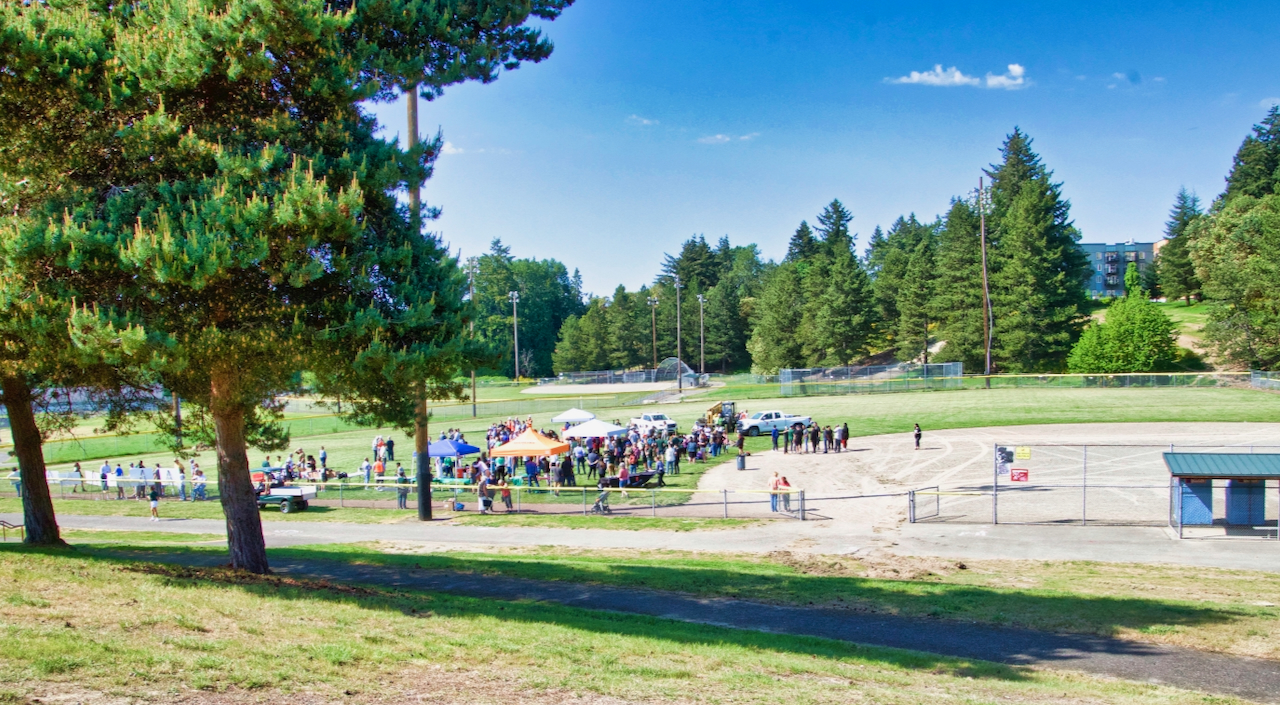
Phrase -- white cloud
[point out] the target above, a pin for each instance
(1013, 80)
(725, 139)
(450, 148)
(637, 120)
(1268, 102)
(937, 77)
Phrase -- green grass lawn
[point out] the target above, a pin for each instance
(213, 510)
(870, 414)
(85, 627)
(1221, 610)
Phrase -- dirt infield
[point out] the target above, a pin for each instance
(1122, 467)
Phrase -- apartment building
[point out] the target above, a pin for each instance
(1109, 263)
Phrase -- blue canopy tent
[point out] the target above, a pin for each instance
(450, 449)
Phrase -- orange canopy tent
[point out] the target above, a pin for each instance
(530, 444)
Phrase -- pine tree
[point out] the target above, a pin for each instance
(1176, 274)
(1255, 171)
(726, 328)
(833, 225)
(1038, 292)
(774, 344)
(803, 245)
(1132, 280)
(844, 321)
(697, 264)
(957, 300)
(260, 233)
(914, 304)
(892, 256)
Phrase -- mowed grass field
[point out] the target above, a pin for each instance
(869, 414)
(89, 626)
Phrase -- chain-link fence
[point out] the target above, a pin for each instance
(1071, 484)
(1264, 380)
(815, 381)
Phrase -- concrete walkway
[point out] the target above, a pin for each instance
(1253, 679)
(960, 541)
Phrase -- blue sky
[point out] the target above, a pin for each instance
(657, 120)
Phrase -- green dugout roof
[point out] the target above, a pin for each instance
(1244, 466)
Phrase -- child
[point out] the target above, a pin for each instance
(155, 504)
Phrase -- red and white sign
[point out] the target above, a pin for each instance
(1017, 475)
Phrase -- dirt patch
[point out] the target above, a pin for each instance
(874, 565)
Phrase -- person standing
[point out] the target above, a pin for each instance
(155, 504)
(324, 458)
(379, 471)
(844, 435)
(367, 469)
(773, 493)
(774, 435)
(826, 439)
(918, 434)
(786, 441)
(80, 474)
(784, 489)
(103, 472)
(182, 484)
(505, 489)
(402, 489)
(119, 484)
(391, 449)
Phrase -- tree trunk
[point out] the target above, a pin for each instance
(37, 506)
(421, 457)
(235, 488)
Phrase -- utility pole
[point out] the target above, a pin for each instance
(702, 335)
(679, 362)
(653, 310)
(472, 267)
(421, 430)
(987, 322)
(515, 328)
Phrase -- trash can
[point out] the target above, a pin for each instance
(742, 462)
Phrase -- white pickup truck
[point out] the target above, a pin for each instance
(655, 421)
(765, 421)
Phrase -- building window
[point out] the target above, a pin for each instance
(1142, 255)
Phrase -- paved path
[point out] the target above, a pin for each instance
(1254, 679)
(1094, 543)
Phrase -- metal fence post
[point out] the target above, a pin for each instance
(1084, 489)
(802, 514)
(726, 503)
(653, 496)
(995, 484)
(584, 497)
(911, 506)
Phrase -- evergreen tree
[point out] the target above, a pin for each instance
(815, 277)
(726, 328)
(803, 245)
(892, 256)
(914, 305)
(1038, 292)
(833, 225)
(1175, 272)
(877, 248)
(957, 299)
(774, 343)
(697, 264)
(1255, 171)
(260, 233)
(844, 321)
(1132, 280)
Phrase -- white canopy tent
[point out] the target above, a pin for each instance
(595, 429)
(574, 416)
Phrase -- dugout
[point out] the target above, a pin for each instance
(1242, 477)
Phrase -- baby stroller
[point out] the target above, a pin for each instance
(602, 503)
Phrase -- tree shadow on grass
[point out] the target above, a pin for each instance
(426, 604)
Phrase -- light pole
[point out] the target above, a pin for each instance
(653, 310)
(472, 265)
(679, 362)
(702, 335)
(987, 317)
(515, 328)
